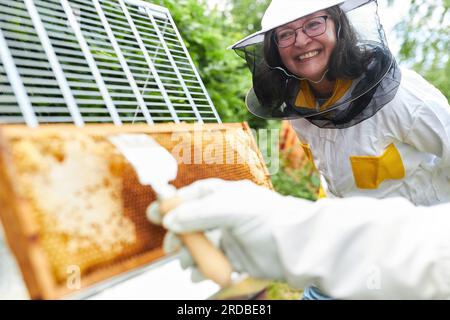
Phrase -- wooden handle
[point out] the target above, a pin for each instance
(211, 261)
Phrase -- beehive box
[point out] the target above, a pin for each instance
(72, 207)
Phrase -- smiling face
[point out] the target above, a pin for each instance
(308, 57)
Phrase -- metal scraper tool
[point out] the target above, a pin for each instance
(155, 167)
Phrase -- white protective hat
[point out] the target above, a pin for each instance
(281, 12)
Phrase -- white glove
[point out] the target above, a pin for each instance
(244, 212)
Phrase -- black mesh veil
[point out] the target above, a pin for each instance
(274, 91)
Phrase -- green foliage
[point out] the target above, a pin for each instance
(303, 182)
(425, 40)
(247, 14)
(281, 291)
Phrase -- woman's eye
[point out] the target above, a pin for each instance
(313, 25)
(285, 34)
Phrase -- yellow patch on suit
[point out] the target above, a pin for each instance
(306, 98)
(370, 171)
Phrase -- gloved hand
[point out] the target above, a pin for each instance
(245, 214)
(360, 248)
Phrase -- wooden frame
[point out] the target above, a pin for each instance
(21, 231)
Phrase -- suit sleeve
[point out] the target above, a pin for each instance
(363, 248)
(429, 130)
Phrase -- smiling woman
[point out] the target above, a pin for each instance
(305, 46)
(315, 52)
(312, 66)
(371, 128)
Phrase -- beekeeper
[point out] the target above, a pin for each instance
(355, 248)
(371, 128)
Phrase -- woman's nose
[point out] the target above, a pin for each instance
(301, 39)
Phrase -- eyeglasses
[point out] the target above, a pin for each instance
(312, 28)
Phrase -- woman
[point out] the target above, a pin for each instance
(371, 129)
(393, 136)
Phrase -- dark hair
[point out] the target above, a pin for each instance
(347, 61)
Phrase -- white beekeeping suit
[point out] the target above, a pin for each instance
(355, 248)
(401, 151)
(382, 132)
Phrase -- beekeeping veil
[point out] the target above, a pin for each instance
(279, 94)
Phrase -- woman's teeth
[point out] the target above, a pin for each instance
(308, 55)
